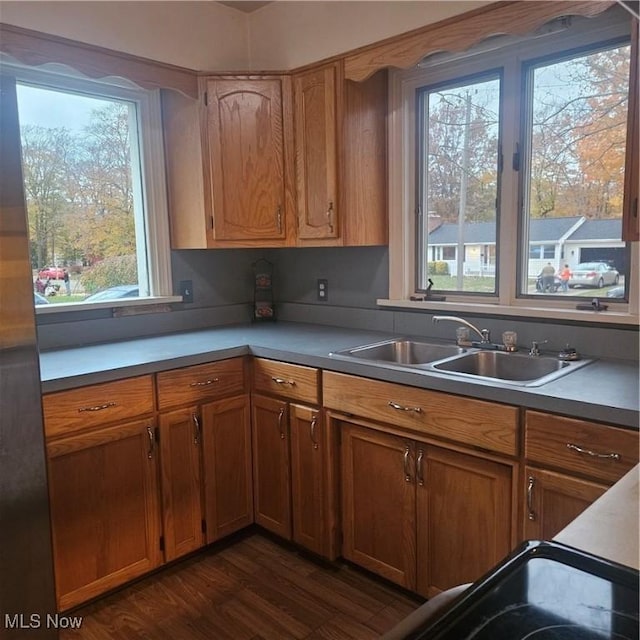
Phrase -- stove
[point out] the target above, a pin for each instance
(544, 591)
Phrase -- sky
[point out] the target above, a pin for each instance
(46, 108)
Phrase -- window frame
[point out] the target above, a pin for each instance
(150, 148)
(402, 171)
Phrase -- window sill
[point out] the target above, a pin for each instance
(591, 317)
(112, 304)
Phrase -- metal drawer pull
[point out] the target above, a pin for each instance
(152, 442)
(532, 513)
(280, 416)
(593, 454)
(196, 429)
(204, 383)
(291, 383)
(98, 407)
(330, 217)
(419, 476)
(407, 472)
(399, 407)
(314, 422)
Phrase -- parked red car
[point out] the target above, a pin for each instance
(55, 273)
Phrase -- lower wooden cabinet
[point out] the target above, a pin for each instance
(553, 500)
(103, 493)
(425, 517)
(227, 472)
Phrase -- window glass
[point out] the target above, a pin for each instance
(573, 178)
(458, 153)
(82, 187)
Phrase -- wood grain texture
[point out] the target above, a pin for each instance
(379, 503)
(271, 465)
(291, 381)
(252, 589)
(227, 463)
(200, 383)
(556, 500)
(316, 145)
(461, 32)
(35, 48)
(465, 517)
(472, 422)
(547, 436)
(364, 162)
(180, 452)
(308, 458)
(67, 412)
(103, 494)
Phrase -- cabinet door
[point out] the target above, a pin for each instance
(379, 503)
(316, 153)
(553, 500)
(180, 445)
(271, 471)
(307, 464)
(246, 149)
(228, 491)
(464, 514)
(104, 509)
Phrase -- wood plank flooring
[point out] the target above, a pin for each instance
(253, 589)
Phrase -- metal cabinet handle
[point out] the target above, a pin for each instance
(419, 475)
(279, 218)
(280, 416)
(407, 471)
(312, 430)
(204, 383)
(197, 429)
(330, 217)
(399, 407)
(593, 454)
(291, 383)
(532, 514)
(98, 407)
(152, 442)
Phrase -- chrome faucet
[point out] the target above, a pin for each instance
(485, 335)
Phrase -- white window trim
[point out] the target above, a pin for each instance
(402, 205)
(154, 190)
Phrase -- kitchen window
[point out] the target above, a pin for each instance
(512, 155)
(93, 173)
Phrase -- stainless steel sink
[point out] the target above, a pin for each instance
(512, 368)
(402, 351)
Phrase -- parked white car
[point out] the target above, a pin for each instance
(593, 274)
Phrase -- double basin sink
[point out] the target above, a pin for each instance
(519, 369)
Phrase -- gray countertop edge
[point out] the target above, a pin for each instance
(574, 395)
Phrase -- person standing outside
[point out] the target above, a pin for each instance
(67, 282)
(565, 276)
(547, 273)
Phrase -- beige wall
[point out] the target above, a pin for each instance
(209, 36)
(285, 35)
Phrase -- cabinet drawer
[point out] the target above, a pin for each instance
(589, 448)
(288, 380)
(472, 422)
(69, 411)
(201, 382)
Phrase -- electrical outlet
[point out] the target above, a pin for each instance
(186, 290)
(323, 290)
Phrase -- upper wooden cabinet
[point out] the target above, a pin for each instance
(246, 185)
(285, 161)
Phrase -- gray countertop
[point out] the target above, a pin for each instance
(605, 390)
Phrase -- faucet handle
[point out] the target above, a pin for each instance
(535, 347)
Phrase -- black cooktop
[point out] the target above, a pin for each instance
(544, 591)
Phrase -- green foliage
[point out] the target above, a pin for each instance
(438, 268)
(110, 272)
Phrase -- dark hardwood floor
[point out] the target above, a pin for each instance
(252, 589)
